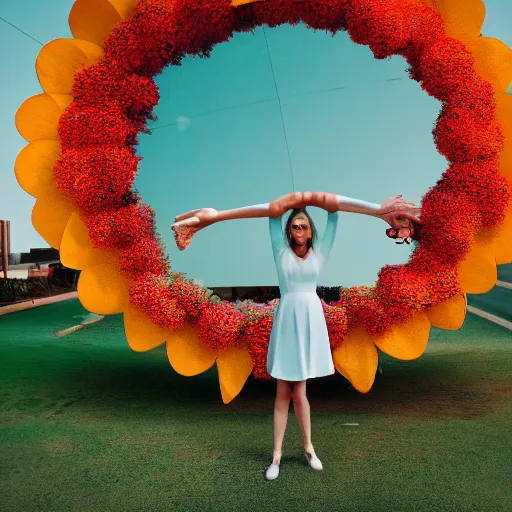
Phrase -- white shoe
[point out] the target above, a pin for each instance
(314, 461)
(273, 470)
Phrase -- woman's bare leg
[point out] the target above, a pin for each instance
(281, 408)
(303, 413)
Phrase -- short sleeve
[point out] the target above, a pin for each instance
(277, 237)
(324, 246)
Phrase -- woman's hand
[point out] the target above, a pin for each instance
(399, 213)
(281, 205)
(324, 200)
(188, 224)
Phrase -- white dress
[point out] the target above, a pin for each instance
(299, 346)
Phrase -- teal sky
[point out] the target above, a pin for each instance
(352, 125)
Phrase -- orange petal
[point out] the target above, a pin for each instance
(124, 7)
(103, 290)
(76, 250)
(93, 20)
(50, 216)
(408, 340)
(502, 240)
(62, 100)
(477, 272)
(59, 60)
(493, 61)
(38, 118)
(449, 314)
(234, 365)
(463, 19)
(34, 166)
(187, 355)
(237, 3)
(141, 332)
(356, 359)
(504, 117)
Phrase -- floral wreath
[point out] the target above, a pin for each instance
(81, 162)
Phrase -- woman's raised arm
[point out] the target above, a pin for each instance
(188, 224)
(393, 211)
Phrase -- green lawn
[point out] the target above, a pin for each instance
(88, 425)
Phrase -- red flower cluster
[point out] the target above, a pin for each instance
(135, 94)
(97, 178)
(152, 295)
(146, 255)
(192, 298)
(256, 338)
(96, 127)
(121, 227)
(363, 309)
(113, 101)
(219, 324)
(337, 322)
(482, 136)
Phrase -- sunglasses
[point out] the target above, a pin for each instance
(298, 227)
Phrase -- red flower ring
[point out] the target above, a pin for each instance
(113, 98)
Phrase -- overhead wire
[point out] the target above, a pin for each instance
(247, 104)
(20, 30)
(280, 110)
(267, 100)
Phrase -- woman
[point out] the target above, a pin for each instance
(299, 346)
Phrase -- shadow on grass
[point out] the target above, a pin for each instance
(467, 381)
(435, 386)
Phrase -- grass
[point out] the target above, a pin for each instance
(87, 424)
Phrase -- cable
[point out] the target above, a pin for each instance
(214, 111)
(19, 30)
(280, 110)
(267, 100)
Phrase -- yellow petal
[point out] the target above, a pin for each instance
(103, 290)
(234, 365)
(93, 20)
(59, 60)
(408, 340)
(141, 332)
(477, 272)
(463, 19)
(493, 61)
(76, 250)
(187, 355)
(50, 216)
(356, 359)
(38, 118)
(34, 166)
(449, 314)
